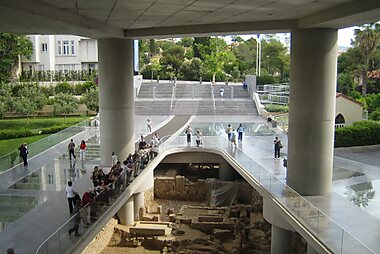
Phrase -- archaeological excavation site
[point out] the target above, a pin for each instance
(198, 207)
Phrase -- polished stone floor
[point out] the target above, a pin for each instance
(39, 204)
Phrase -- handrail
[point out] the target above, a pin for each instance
(291, 201)
(120, 177)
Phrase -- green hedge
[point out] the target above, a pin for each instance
(359, 134)
(276, 108)
(21, 133)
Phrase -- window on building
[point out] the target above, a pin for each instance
(72, 48)
(59, 48)
(44, 47)
(66, 48)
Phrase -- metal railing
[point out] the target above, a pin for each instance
(326, 230)
(12, 159)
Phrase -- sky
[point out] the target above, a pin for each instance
(344, 36)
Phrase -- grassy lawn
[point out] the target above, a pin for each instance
(8, 145)
(38, 122)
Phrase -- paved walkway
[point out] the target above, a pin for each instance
(27, 233)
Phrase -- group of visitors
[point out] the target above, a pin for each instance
(235, 135)
(198, 136)
(82, 150)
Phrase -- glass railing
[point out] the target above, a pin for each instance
(63, 242)
(330, 233)
(12, 159)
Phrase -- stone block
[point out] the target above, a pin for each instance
(159, 209)
(185, 220)
(141, 213)
(180, 183)
(172, 217)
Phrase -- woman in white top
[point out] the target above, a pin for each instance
(70, 194)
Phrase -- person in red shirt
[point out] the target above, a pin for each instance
(87, 198)
(82, 150)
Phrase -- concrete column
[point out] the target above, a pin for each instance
(193, 92)
(281, 241)
(126, 213)
(232, 92)
(116, 98)
(311, 110)
(138, 201)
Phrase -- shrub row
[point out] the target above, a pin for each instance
(276, 108)
(359, 134)
(21, 133)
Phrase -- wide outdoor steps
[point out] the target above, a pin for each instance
(193, 99)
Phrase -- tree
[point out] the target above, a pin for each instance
(186, 42)
(65, 104)
(6, 100)
(30, 99)
(12, 46)
(191, 70)
(367, 39)
(173, 57)
(236, 38)
(216, 56)
(204, 43)
(91, 99)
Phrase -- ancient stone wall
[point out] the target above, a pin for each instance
(180, 188)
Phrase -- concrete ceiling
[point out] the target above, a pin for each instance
(169, 18)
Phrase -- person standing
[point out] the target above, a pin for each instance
(277, 148)
(240, 131)
(71, 148)
(149, 125)
(199, 138)
(221, 92)
(188, 132)
(114, 159)
(82, 150)
(76, 219)
(24, 153)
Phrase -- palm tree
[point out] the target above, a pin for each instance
(367, 38)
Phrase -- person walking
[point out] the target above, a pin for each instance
(82, 150)
(76, 219)
(233, 137)
(199, 138)
(148, 125)
(229, 132)
(24, 153)
(70, 194)
(71, 148)
(240, 131)
(188, 132)
(277, 147)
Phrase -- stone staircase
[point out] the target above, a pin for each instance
(193, 99)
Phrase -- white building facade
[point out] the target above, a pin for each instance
(62, 53)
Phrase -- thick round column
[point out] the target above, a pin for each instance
(116, 98)
(311, 110)
(138, 201)
(281, 241)
(126, 213)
